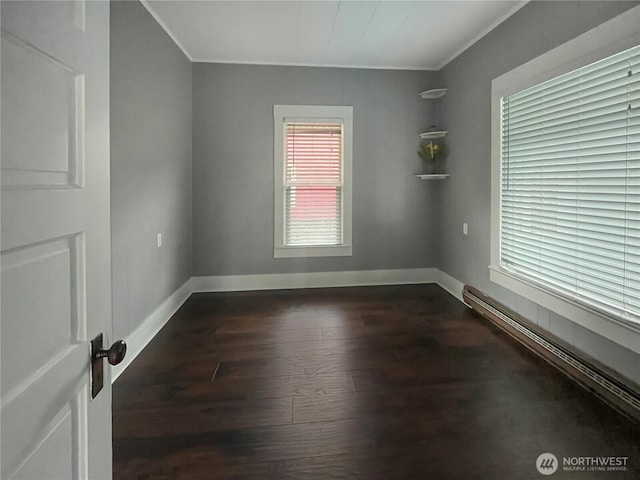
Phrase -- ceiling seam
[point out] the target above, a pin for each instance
(335, 19)
(373, 14)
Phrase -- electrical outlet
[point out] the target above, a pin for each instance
(159, 240)
(465, 229)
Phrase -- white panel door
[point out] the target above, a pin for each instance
(55, 243)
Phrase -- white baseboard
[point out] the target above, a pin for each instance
(450, 284)
(280, 281)
(151, 325)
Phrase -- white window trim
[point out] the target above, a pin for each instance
(613, 36)
(343, 114)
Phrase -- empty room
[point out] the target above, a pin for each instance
(330, 239)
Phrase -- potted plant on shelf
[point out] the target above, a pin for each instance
(429, 152)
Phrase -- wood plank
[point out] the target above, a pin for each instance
(397, 382)
(202, 415)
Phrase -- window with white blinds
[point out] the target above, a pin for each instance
(313, 184)
(570, 185)
(312, 180)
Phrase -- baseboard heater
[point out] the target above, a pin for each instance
(600, 380)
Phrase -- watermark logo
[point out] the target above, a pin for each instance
(547, 464)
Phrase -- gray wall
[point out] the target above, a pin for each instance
(394, 224)
(150, 165)
(466, 112)
(399, 221)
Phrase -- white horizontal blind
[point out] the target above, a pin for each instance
(313, 184)
(570, 185)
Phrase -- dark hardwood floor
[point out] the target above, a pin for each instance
(398, 382)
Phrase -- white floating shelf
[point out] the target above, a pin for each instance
(436, 134)
(433, 176)
(435, 93)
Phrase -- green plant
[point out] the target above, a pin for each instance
(430, 151)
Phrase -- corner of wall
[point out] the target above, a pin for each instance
(152, 324)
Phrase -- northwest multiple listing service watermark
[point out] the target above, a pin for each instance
(548, 464)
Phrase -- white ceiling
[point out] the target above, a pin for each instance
(391, 34)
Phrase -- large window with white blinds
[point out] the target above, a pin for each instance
(312, 180)
(570, 185)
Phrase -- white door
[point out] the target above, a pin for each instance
(55, 242)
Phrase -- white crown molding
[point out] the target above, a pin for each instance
(486, 31)
(518, 5)
(167, 30)
(314, 65)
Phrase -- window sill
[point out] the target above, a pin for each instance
(319, 251)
